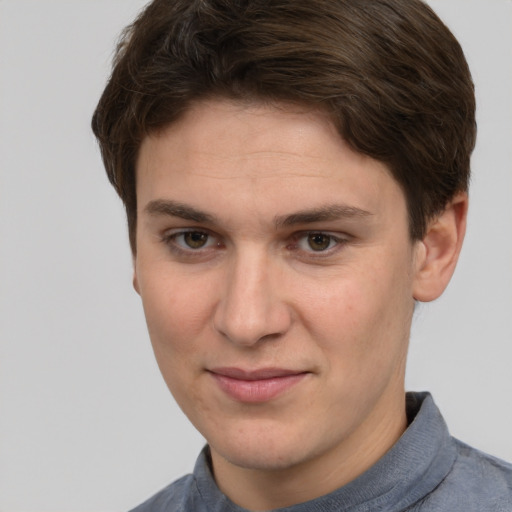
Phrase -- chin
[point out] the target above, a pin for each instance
(259, 461)
(257, 451)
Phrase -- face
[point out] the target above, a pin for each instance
(276, 274)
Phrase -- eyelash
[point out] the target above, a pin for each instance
(170, 240)
(335, 243)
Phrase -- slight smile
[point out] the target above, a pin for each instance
(256, 386)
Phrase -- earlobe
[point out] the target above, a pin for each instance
(439, 250)
(135, 280)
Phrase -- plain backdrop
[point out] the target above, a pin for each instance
(86, 422)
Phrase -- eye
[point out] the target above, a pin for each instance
(195, 239)
(190, 240)
(317, 242)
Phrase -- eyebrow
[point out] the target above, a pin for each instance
(176, 209)
(326, 213)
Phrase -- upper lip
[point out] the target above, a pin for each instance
(257, 374)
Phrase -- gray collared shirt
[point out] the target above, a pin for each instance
(427, 470)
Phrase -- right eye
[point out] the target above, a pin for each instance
(190, 239)
(191, 242)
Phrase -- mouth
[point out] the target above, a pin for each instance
(256, 386)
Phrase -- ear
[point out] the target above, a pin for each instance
(135, 280)
(439, 250)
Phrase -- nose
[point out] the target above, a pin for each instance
(251, 306)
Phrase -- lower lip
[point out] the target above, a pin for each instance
(256, 391)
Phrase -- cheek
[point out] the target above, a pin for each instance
(363, 314)
(177, 315)
(177, 310)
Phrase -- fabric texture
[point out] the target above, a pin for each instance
(427, 470)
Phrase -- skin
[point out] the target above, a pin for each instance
(299, 259)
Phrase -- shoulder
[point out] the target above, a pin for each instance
(180, 496)
(476, 482)
(490, 476)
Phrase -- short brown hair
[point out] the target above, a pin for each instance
(390, 74)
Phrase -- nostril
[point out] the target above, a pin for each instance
(271, 337)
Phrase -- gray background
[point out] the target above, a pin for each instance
(86, 423)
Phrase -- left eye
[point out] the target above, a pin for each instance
(317, 242)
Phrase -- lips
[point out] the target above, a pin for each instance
(256, 386)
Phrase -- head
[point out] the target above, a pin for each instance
(294, 175)
(388, 73)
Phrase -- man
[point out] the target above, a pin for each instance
(295, 178)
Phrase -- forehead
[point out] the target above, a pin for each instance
(272, 157)
(213, 124)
